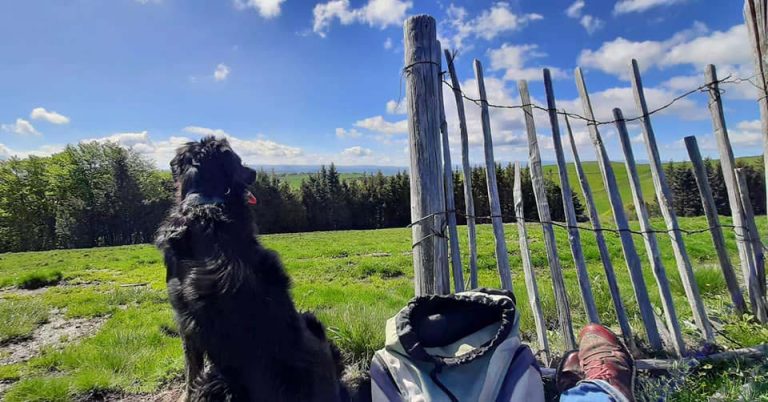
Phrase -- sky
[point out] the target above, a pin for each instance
(313, 82)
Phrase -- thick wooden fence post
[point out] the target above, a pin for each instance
(728, 164)
(605, 255)
(537, 181)
(756, 20)
(502, 259)
(574, 237)
(651, 247)
(713, 220)
(752, 240)
(467, 171)
(427, 194)
(450, 203)
(664, 197)
(530, 275)
(631, 257)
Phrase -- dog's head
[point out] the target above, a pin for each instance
(210, 170)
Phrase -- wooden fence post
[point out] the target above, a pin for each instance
(502, 259)
(651, 246)
(605, 255)
(530, 275)
(756, 20)
(467, 171)
(574, 237)
(752, 241)
(427, 194)
(450, 203)
(617, 208)
(537, 181)
(664, 197)
(728, 164)
(713, 220)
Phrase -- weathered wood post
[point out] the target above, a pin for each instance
(664, 197)
(651, 247)
(728, 164)
(631, 257)
(421, 71)
(530, 275)
(466, 169)
(450, 203)
(605, 255)
(537, 181)
(756, 20)
(713, 220)
(502, 259)
(574, 237)
(752, 241)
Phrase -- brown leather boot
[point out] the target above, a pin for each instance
(568, 372)
(604, 357)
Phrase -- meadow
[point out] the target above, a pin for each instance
(95, 323)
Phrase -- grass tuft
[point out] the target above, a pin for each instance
(20, 318)
(39, 279)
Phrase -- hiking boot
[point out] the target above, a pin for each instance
(604, 357)
(568, 372)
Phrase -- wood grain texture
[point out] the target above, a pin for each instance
(651, 245)
(537, 181)
(605, 255)
(450, 203)
(427, 193)
(631, 257)
(664, 197)
(574, 237)
(530, 275)
(466, 169)
(713, 220)
(502, 259)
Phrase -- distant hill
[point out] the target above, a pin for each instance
(296, 169)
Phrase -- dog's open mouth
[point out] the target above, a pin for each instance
(250, 198)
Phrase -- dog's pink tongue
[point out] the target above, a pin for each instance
(251, 198)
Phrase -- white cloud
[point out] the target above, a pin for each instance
(45, 150)
(221, 73)
(591, 23)
(351, 133)
(393, 107)
(266, 8)
(357, 151)
(149, 1)
(20, 127)
(574, 10)
(251, 151)
(498, 19)
(379, 125)
(634, 6)
(696, 46)
(39, 113)
(388, 44)
(513, 60)
(375, 13)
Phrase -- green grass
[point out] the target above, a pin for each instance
(353, 280)
(294, 179)
(39, 279)
(19, 318)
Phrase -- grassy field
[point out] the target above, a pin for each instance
(354, 280)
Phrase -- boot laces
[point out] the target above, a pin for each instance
(598, 366)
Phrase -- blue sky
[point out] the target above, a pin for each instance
(310, 82)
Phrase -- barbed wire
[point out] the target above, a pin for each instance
(728, 80)
(618, 231)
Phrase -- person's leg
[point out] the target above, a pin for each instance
(607, 366)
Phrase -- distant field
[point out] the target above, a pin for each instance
(294, 179)
(105, 330)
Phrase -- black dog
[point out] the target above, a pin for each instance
(230, 295)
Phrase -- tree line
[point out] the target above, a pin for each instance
(95, 194)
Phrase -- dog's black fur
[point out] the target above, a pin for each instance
(230, 295)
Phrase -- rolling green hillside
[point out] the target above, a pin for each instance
(99, 327)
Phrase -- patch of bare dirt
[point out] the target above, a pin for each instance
(170, 393)
(57, 332)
